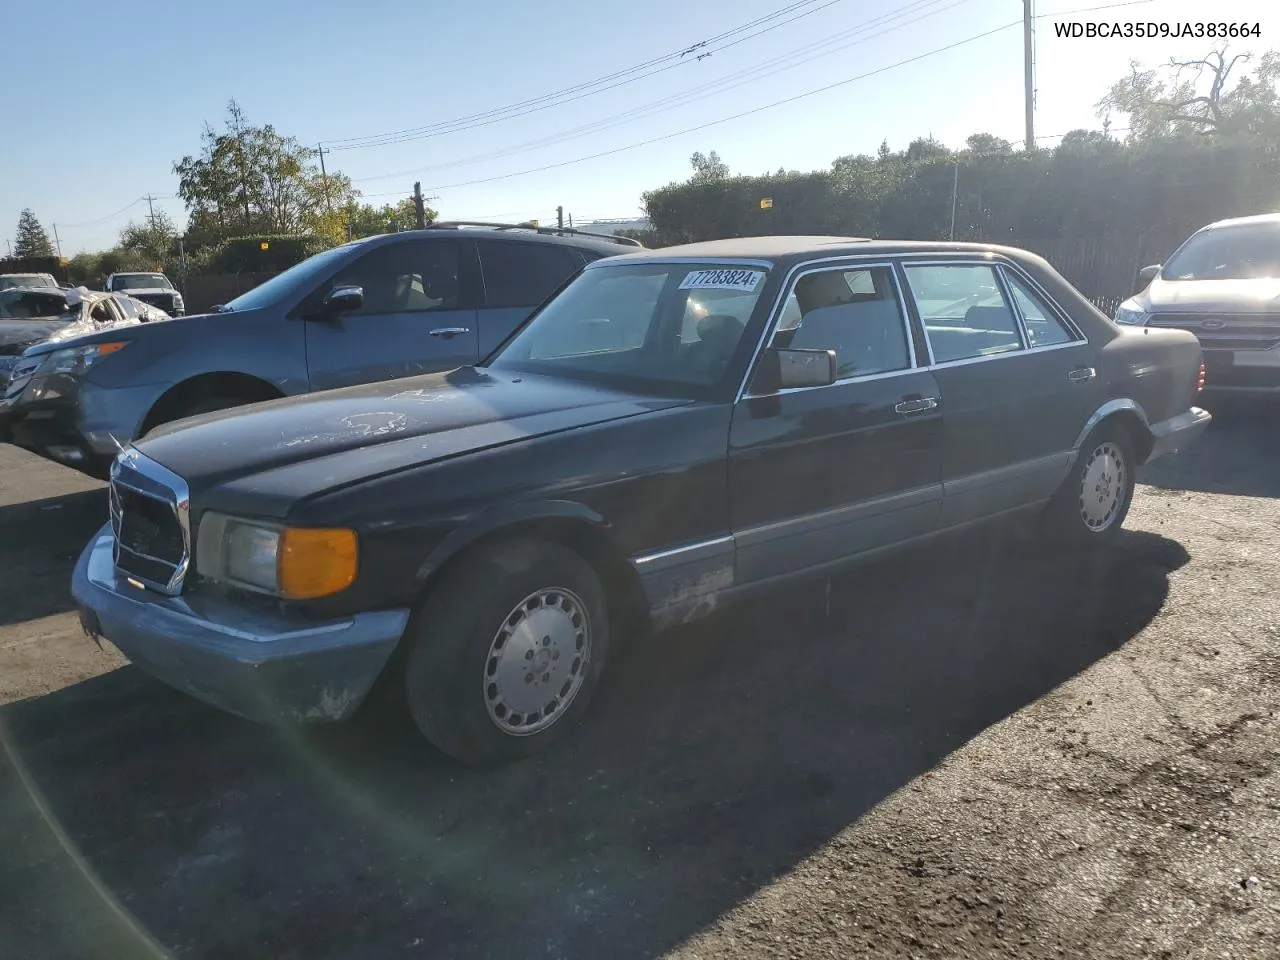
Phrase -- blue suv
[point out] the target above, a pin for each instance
(375, 309)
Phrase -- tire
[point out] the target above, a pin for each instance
(1092, 503)
(479, 639)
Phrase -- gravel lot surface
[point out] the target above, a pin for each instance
(979, 750)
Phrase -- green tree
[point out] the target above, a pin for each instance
(367, 220)
(708, 168)
(152, 240)
(1187, 97)
(253, 179)
(31, 240)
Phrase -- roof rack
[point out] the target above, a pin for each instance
(537, 228)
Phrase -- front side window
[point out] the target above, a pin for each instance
(855, 312)
(965, 314)
(412, 276)
(1246, 251)
(672, 329)
(101, 312)
(522, 274)
(1043, 327)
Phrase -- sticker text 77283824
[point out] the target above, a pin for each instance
(722, 279)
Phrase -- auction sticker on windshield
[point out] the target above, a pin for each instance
(744, 280)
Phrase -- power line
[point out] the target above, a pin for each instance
(670, 61)
(783, 62)
(735, 116)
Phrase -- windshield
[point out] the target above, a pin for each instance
(27, 280)
(1249, 251)
(30, 305)
(141, 281)
(300, 278)
(672, 329)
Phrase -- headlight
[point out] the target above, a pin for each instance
(1130, 314)
(297, 563)
(79, 359)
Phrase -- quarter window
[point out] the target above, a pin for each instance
(856, 313)
(1044, 329)
(522, 274)
(964, 313)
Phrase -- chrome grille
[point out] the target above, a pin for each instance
(1226, 331)
(150, 509)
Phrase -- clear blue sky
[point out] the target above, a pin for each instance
(107, 96)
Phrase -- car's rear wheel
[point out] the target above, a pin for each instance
(1094, 500)
(507, 650)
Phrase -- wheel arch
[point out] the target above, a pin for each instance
(218, 383)
(571, 524)
(1129, 415)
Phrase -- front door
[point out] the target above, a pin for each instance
(818, 474)
(418, 315)
(1017, 383)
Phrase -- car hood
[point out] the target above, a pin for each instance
(1199, 296)
(20, 332)
(393, 425)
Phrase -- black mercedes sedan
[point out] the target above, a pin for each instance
(672, 429)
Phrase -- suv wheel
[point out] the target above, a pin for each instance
(507, 651)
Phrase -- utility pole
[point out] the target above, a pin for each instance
(571, 221)
(955, 189)
(57, 240)
(151, 211)
(10, 244)
(560, 218)
(418, 206)
(325, 177)
(1028, 75)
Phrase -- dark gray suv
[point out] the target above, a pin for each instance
(384, 307)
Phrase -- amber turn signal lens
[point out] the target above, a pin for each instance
(316, 562)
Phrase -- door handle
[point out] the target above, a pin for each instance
(448, 332)
(918, 405)
(1081, 374)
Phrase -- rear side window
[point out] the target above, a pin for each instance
(964, 312)
(127, 306)
(1044, 329)
(523, 274)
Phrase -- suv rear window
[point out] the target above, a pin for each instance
(523, 274)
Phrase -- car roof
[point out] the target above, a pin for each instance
(515, 233)
(1237, 221)
(788, 249)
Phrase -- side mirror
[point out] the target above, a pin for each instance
(342, 300)
(783, 369)
(1148, 273)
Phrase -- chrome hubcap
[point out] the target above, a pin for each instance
(537, 661)
(1102, 487)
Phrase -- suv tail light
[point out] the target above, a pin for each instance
(1200, 378)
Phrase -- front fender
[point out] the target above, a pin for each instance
(510, 516)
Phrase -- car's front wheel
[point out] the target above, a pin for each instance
(1094, 499)
(507, 650)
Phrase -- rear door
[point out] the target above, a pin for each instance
(518, 275)
(1013, 404)
(821, 473)
(418, 316)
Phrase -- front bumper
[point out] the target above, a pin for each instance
(261, 666)
(1242, 371)
(1174, 434)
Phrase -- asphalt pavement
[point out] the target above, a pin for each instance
(983, 749)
